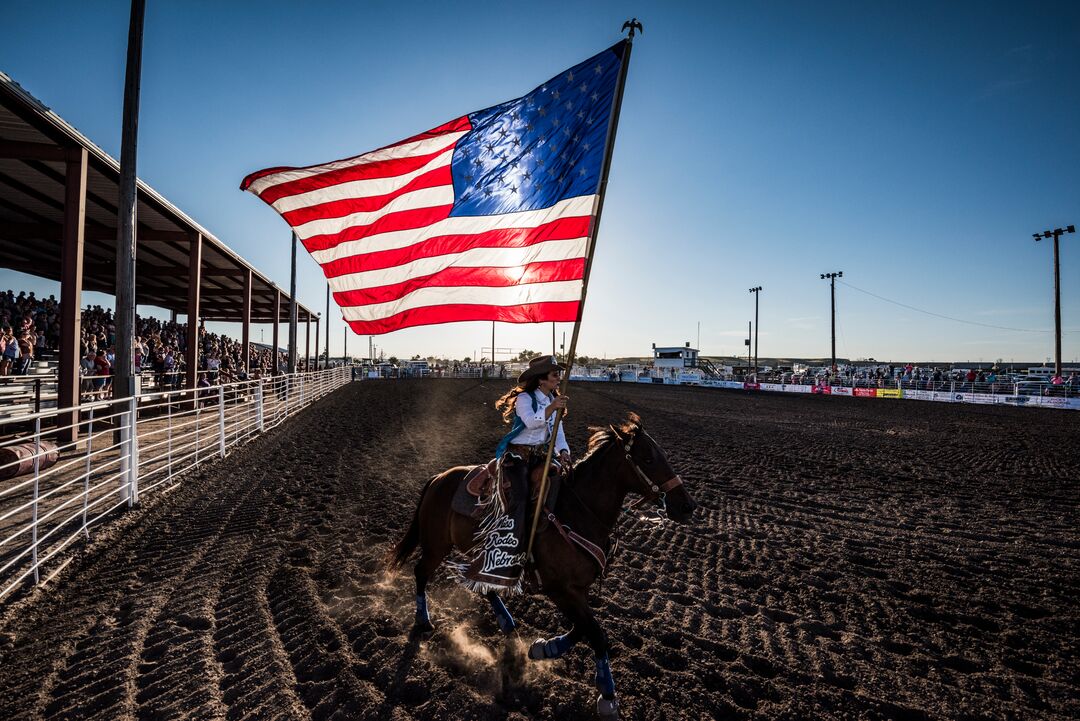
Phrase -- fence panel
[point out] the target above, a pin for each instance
(56, 489)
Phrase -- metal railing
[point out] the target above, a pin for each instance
(58, 488)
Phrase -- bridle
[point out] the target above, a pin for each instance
(658, 492)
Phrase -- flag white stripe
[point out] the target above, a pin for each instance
(560, 291)
(464, 225)
(405, 150)
(552, 250)
(423, 198)
(358, 188)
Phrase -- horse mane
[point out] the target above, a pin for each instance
(601, 436)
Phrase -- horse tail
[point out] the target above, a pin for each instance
(408, 543)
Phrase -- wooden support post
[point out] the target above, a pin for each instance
(71, 274)
(194, 286)
(307, 341)
(317, 344)
(246, 333)
(277, 322)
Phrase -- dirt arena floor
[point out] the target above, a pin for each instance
(851, 559)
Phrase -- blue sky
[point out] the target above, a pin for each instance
(915, 146)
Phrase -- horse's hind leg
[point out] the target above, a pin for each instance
(430, 558)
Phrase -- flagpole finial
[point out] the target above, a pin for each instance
(633, 24)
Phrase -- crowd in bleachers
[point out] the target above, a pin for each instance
(30, 329)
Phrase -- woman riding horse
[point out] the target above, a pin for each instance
(530, 407)
(572, 550)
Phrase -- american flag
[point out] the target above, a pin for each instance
(486, 217)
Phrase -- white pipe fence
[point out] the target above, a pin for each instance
(123, 450)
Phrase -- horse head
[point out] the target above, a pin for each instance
(649, 473)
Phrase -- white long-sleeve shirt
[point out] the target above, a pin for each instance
(537, 428)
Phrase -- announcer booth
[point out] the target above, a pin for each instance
(677, 357)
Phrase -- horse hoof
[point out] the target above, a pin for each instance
(506, 624)
(537, 649)
(423, 627)
(607, 708)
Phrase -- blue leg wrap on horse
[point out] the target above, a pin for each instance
(421, 608)
(557, 646)
(605, 683)
(502, 615)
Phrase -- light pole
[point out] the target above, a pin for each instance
(757, 294)
(832, 284)
(1055, 234)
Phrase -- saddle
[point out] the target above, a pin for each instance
(477, 487)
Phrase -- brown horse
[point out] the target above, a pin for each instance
(620, 460)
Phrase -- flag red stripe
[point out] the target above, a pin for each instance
(403, 220)
(542, 272)
(558, 312)
(366, 171)
(561, 229)
(366, 204)
(457, 125)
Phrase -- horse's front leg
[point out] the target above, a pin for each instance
(575, 607)
(502, 614)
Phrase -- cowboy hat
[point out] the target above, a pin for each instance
(539, 367)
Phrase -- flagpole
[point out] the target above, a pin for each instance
(613, 125)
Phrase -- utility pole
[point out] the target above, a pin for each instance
(832, 284)
(757, 292)
(1056, 233)
(124, 382)
(327, 331)
(344, 346)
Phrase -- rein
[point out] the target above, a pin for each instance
(659, 494)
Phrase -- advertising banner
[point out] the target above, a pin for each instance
(1050, 402)
(792, 388)
(774, 387)
(821, 390)
(889, 392)
(865, 392)
(841, 391)
(919, 395)
(984, 398)
(752, 386)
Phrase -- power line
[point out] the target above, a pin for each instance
(947, 317)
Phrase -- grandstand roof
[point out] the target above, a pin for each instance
(35, 144)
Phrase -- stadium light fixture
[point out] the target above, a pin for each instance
(1056, 234)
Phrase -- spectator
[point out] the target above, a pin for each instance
(26, 352)
(11, 350)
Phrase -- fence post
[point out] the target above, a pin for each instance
(259, 406)
(133, 451)
(86, 475)
(168, 435)
(34, 529)
(221, 420)
(37, 395)
(124, 450)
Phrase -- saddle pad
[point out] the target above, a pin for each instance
(478, 483)
(464, 502)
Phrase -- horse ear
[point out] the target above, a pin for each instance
(633, 423)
